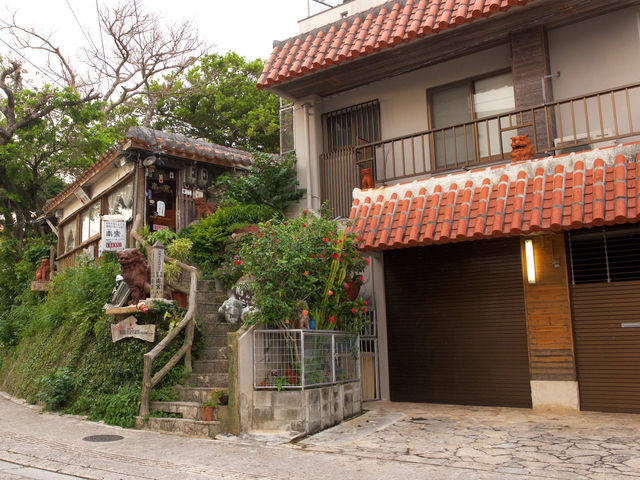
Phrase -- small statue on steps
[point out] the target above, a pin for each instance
(232, 309)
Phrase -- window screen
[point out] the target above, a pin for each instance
(604, 255)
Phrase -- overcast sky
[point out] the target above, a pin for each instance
(245, 26)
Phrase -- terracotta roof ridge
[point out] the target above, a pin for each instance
(548, 165)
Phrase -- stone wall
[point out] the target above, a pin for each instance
(305, 411)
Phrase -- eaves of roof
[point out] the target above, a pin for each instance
(388, 25)
(578, 190)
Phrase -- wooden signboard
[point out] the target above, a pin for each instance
(130, 328)
(157, 271)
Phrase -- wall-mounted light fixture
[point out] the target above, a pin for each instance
(531, 264)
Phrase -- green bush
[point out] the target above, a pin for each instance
(300, 264)
(210, 234)
(271, 181)
(56, 388)
(69, 334)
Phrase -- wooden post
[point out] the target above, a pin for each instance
(52, 261)
(157, 271)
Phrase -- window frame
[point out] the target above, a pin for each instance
(470, 83)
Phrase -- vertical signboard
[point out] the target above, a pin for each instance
(157, 270)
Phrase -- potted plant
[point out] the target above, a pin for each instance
(218, 397)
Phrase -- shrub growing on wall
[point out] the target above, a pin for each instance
(300, 264)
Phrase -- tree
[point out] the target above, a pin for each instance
(22, 108)
(218, 100)
(135, 48)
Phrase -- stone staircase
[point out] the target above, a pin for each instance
(210, 373)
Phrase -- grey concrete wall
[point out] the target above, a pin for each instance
(305, 411)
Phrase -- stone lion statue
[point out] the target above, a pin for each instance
(135, 272)
(43, 273)
(521, 148)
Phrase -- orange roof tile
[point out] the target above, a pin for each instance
(578, 190)
(387, 25)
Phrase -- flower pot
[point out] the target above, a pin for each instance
(207, 414)
(180, 298)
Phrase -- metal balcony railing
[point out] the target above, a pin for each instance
(580, 123)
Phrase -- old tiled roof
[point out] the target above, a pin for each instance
(157, 141)
(388, 25)
(598, 187)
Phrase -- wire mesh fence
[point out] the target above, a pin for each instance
(299, 359)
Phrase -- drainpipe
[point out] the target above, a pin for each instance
(307, 130)
(543, 81)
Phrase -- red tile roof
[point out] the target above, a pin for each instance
(388, 25)
(598, 187)
(174, 144)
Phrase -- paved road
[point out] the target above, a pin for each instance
(394, 441)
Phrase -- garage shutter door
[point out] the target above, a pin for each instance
(456, 324)
(605, 298)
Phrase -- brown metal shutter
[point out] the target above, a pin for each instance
(605, 295)
(456, 324)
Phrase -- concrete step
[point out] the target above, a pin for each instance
(215, 341)
(209, 312)
(180, 426)
(216, 328)
(208, 297)
(191, 410)
(213, 353)
(207, 285)
(207, 380)
(211, 366)
(198, 395)
(210, 323)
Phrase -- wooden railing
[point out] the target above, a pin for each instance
(187, 324)
(583, 122)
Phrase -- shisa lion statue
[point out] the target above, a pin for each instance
(239, 305)
(521, 148)
(43, 273)
(232, 309)
(135, 272)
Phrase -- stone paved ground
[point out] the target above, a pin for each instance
(391, 441)
(574, 445)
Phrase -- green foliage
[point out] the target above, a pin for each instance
(66, 341)
(271, 181)
(180, 249)
(209, 235)
(56, 388)
(304, 264)
(164, 236)
(222, 104)
(41, 152)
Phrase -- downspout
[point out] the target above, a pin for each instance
(307, 129)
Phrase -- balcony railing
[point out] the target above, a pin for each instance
(580, 123)
(300, 359)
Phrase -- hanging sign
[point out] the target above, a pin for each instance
(114, 233)
(129, 328)
(82, 195)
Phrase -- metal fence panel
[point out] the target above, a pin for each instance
(299, 359)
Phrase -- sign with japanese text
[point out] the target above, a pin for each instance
(157, 270)
(129, 328)
(114, 233)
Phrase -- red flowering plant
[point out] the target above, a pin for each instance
(304, 261)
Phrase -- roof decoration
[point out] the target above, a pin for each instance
(157, 141)
(593, 188)
(388, 25)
